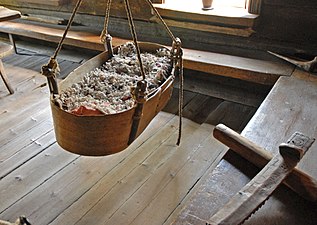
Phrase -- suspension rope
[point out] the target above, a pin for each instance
(162, 21)
(133, 33)
(107, 16)
(177, 57)
(70, 21)
(52, 68)
(180, 101)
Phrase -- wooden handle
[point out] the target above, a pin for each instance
(300, 182)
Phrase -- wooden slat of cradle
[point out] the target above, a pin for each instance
(29, 176)
(27, 153)
(289, 107)
(167, 180)
(130, 176)
(83, 176)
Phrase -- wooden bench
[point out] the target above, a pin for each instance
(289, 107)
(261, 71)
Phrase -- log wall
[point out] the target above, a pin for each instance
(285, 26)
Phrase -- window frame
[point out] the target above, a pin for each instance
(237, 22)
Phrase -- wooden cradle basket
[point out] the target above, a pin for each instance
(101, 135)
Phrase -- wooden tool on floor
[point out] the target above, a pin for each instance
(260, 188)
(298, 181)
(309, 66)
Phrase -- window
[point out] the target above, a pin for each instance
(215, 4)
(232, 17)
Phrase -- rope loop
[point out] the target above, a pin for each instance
(50, 70)
(104, 32)
(177, 51)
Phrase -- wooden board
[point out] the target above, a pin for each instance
(218, 186)
(8, 14)
(290, 107)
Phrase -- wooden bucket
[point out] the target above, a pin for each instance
(101, 135)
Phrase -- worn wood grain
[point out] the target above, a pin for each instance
(302, 183)
(28, 152)
(289, 107)
(26, 178)
(223, 114)
(166, 201)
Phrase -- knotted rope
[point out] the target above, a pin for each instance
(52, 68)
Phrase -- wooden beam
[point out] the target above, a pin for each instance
(261, 71)
(243, 32)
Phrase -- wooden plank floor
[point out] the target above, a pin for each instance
(145, 184)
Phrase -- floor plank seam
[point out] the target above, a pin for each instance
(20, 165)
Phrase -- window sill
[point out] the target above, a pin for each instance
(225, 20)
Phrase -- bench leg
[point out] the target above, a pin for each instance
(13, 43)
(5, 78)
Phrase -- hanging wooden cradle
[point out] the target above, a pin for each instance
(101, 135)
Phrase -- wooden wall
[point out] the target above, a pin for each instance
(290, 21)
(284, 25)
